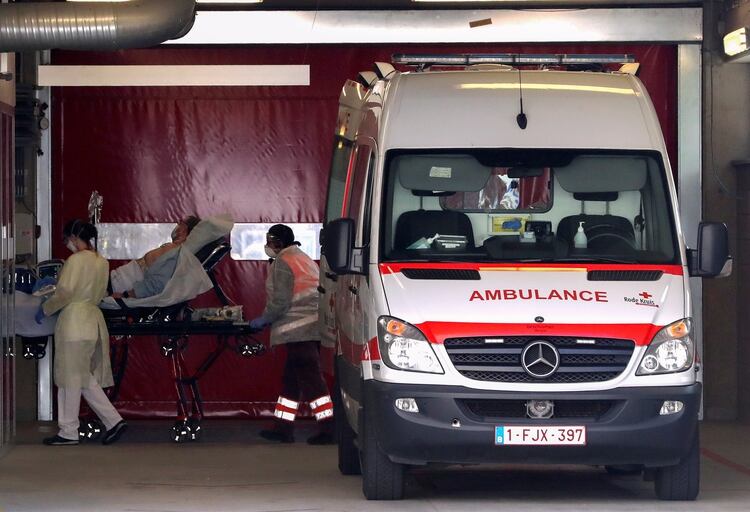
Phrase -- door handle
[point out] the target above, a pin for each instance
(332, 276)
(354, 290)
(321, 290)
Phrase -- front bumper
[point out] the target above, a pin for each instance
(630, 432)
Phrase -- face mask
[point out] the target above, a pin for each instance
(174, 234)
(71, 246)
(269, 252)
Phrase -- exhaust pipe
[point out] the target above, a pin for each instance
(93, 25)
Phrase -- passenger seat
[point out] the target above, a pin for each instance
(411, 226)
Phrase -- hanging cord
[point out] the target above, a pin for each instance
(312, 28)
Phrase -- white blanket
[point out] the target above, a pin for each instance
(125, 276)
(26, 307)
(189, 281)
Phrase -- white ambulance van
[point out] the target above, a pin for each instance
(504, 274)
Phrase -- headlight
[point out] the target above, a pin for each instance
(404, 347)
(670, 351)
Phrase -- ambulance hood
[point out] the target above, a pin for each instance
(587, 300)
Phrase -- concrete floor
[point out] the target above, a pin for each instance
(232, 470)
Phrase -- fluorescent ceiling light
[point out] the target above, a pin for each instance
(174, 75)
(735, 42)
(459, 1)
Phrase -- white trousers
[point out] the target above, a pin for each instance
(69, 405)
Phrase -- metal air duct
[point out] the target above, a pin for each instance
(93, 25)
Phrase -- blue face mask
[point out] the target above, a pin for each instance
(269, 252)
(71, 246)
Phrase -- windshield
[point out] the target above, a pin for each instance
(527, 205)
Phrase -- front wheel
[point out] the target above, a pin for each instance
(681, 482)
(382, 479)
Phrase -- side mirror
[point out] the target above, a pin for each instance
(338, 247)
(711, 258)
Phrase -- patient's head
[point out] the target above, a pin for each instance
(184, 227)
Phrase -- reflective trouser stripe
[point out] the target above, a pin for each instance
(288, 403)
(327, 413)
(286, 409)
(283, 415)
(322, 407)
(325, 399)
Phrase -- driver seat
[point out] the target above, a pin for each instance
(596, 227)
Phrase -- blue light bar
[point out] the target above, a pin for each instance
(468, 59)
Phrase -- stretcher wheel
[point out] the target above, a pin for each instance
(181, 431)
(28, 353)
(90, 430)
(167, 348)
(40, 354)
(252, 349)
(195, 431)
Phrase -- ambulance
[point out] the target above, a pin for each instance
(504, 276)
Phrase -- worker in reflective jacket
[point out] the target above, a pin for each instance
(292, 311)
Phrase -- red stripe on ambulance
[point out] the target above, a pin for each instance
(395, 268)
(438, 332)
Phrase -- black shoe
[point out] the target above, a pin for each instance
(115, 432)
(277, 436)
(321, 438)
(59, 441)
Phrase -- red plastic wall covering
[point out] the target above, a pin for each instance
(259, 153)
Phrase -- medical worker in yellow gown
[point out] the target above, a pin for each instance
(82, 365)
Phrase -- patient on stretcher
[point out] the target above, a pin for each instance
(187, 280)
(150, 274)
(175, 276)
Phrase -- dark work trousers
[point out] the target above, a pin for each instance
(302, 379)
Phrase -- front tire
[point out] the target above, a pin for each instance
(681, 482)
(382, 479)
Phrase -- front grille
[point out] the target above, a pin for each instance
(578, 409)
(498, 359)
(442, 274)
(624, 275)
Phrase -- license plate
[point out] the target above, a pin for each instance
(512, 435)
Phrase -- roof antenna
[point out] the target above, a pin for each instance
(521, 117)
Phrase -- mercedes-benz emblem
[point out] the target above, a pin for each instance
(540, 359)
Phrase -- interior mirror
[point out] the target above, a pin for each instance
(338, 245)
(711, 258)
(525, 172)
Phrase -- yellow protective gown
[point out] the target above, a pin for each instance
(81, 336)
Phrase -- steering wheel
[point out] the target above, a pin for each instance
(623, 238)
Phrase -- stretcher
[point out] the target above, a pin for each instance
(172, 326)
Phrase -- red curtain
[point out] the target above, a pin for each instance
(259, 153)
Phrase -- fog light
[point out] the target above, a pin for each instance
(407, 405)
(671, 407)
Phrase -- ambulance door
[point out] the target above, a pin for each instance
(341, 164)
(358, 209)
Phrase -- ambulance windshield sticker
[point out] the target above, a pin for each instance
(441, 172)
(642, 299)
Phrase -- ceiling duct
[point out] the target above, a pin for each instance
(93, 25)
